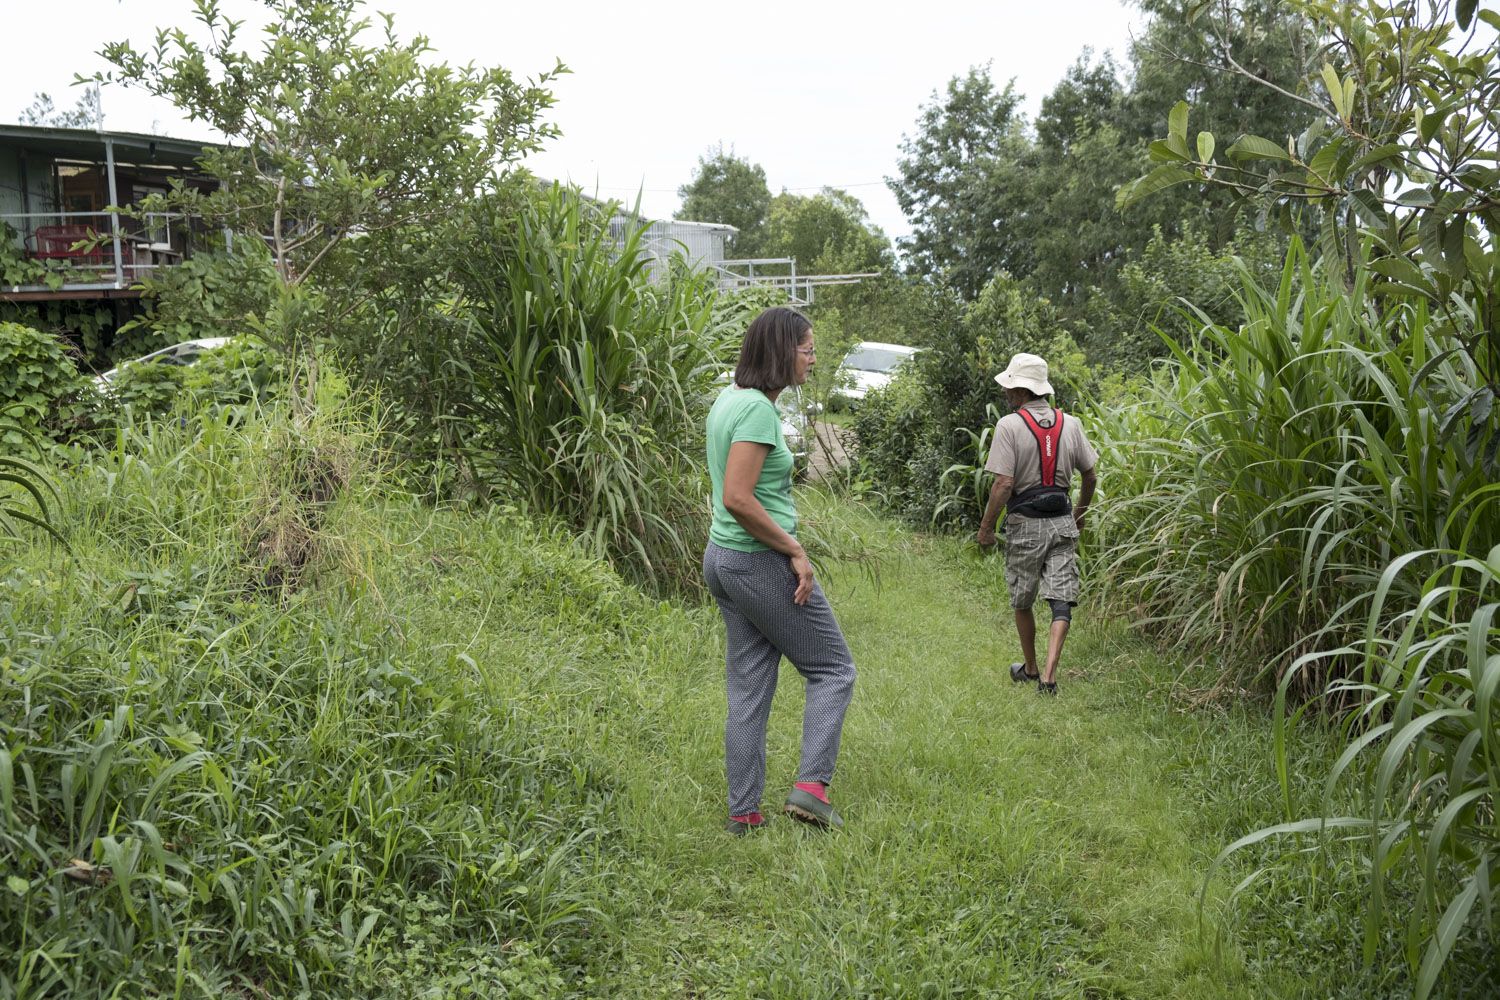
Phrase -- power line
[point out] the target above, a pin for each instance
(806, 187)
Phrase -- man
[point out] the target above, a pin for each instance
(1033, 455)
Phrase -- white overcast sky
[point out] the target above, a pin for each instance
(818, 93)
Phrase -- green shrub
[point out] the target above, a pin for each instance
(207, 788)
(920, 445)
(237, 373)
(40, 386)
(591, 383)
(1169, 285)
(1256, 489)
(207, 295)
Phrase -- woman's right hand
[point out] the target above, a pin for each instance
(802, 566)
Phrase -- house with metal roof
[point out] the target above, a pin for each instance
(57, 238)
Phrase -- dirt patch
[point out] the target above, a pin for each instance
(832, 449)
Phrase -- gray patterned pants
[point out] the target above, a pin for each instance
(1041, 554)
(754, 591)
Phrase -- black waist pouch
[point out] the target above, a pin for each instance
(1041, 501)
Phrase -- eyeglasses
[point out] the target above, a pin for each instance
(807, 352)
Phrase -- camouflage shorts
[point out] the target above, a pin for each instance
(1041, 555)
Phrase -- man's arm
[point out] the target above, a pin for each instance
(1000, 492)
(1085, 495)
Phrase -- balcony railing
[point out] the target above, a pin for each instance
(88, 251)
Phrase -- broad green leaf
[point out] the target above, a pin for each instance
(1463, 13)
(1376, 219)
(1335, 91)
(1253, 147)
(1490, 17)
(1415, 198)
(1430, 233)
(1450, 203)
(1163, 151)
(1400, 269)
(1453, 247)
(1323, 169)
(1177, 120)
(17, 884)
(1431, 122)
(1378, 155)
(1163, 177)
(1205, 147)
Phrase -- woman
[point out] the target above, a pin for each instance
(763, 581)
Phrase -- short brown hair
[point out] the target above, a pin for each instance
(768, 354)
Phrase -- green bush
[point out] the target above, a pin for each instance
(40, 386)
(207, 295)
(237, 373)
(591, 383)
(1258, 488)
(1168, 286)
(920, 443)
(209, 788)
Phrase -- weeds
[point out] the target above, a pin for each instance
(1259, 486)
(592, 384)
(203, 789)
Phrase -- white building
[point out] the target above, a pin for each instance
(702, 244)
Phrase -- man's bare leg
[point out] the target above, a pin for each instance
(1026, 629)
(1055, 640)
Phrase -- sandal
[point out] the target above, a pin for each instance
(1047, 687)
(1020, 676)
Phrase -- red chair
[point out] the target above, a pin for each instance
(56, 243)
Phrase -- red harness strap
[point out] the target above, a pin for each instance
(1047, 439)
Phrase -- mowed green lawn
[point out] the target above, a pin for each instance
(998, 843)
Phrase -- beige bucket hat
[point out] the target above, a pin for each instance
(1026, 371)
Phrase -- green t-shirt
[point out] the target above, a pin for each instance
(748, 415)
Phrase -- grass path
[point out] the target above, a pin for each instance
(998, 843)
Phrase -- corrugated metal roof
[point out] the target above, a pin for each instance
(129, 146)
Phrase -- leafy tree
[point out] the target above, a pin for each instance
(1396, 146)
(339, 135)
(85, 114)
(1176, 285)
(827, 233)
(333, 137)
(987, 192)
(1087, 97)
(960, 181)
(729, 190)
(1239, 61)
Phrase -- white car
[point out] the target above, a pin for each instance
(870, 365)
(184, 353)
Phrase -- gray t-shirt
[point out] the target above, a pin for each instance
(1013, 450)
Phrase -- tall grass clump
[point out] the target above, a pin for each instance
(1423, 759)
(591, 382)
(1294, 490)
(211, 785)
(1259, 485)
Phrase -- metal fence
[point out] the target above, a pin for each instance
(96, 250)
